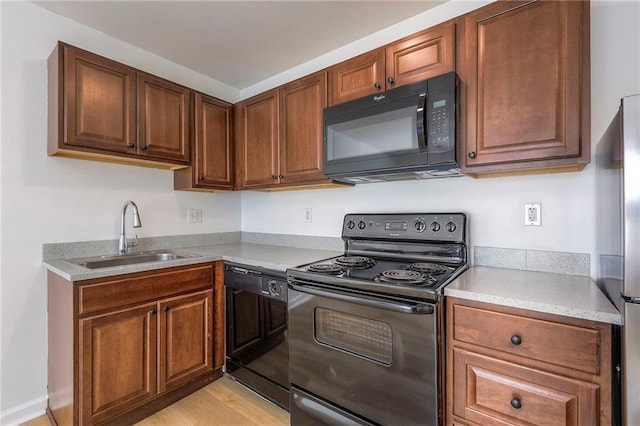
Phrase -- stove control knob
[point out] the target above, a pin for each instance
(450, 227)
(419, 225)
(362, 224)
(351, 224)
(434, 226)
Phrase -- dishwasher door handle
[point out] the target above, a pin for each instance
(405, 306)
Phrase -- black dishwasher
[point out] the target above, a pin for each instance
(257, 348)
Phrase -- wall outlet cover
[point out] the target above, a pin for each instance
(532, 214)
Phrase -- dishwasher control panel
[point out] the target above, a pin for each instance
(256, 280)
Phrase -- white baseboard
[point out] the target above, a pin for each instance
(24, 412)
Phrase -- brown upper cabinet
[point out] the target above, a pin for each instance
(163, 119)
(414, 58)
(103, 110)
(212, 162)
(524, 70)
(279, 136)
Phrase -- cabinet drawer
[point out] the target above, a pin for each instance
(560, 344)
(491, 392)
(141, 288)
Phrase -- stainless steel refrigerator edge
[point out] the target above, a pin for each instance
(618, 242)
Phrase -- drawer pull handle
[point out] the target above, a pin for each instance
(516, 340)
(516, 403)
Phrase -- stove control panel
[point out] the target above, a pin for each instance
(448, 227)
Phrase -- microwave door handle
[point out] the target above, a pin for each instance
(421, 122)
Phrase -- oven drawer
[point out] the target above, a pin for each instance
(491, 391)
(560, 344)
(370, 356)
(309, 410)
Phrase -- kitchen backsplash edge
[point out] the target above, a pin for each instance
(533, 260)
(290, 240)
(54, 251)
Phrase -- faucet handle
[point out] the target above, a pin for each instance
(132, 242)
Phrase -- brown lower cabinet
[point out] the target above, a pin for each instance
(511, 366)
(121, 348)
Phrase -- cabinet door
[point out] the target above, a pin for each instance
(213, 143)
(257, 141)
(244, 322)
(99, 100)
(357, 77)
(421, 56)
(526, 75)
(117, 362)
(163, 119)
(492, 391)
(186, 339)
(301, 129)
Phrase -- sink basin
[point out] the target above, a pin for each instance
(130, 259)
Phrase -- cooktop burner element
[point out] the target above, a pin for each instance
(403, 276)
(357, 262)
(325, 268)
(428, 268)
(407, 255)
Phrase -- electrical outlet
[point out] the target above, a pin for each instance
(308, 218)
(194, 215)
(532, 213)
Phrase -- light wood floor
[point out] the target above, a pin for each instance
(221, 403)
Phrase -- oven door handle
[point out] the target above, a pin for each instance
(405, 307)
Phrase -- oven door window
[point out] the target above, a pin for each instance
(360, 336)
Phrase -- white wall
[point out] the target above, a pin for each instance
(495, 205)
(50, 199)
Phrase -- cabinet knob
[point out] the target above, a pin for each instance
(274, 177)
(472, 154)
(516, 403)
(281, 176)
(201, 178)
(143, 147)
(131, 145)
(390, 80)
(153, 312)
(377, 85)
(166, 309)
(516, 340)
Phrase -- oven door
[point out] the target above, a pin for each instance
(369, 356)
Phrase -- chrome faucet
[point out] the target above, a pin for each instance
(123, 245)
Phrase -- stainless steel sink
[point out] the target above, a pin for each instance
(130, 259)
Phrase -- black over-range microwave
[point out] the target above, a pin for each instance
(404, 133)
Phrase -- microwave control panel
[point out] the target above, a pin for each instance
(440, 121)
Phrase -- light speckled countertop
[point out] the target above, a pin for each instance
(267, 256)
(567, 295)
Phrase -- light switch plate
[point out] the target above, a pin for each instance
(194, 215)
